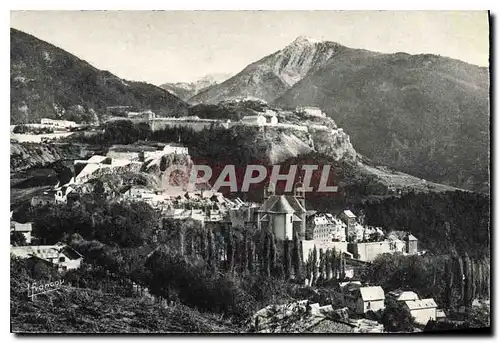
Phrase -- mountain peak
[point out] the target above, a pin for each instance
(300, 40)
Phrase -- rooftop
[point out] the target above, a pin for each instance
(282, 204)
(349, 214)
(371, 293)
(420, 304)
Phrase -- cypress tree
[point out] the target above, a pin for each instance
(182, 235)
(328, 261)
(342, 266)
(314, 266)
(272, 253)
(473, 276)
(467, 284)
(266, 255)
(203, 244)
(461, 278)
(244, 253)
(251, 254)
(230, 249)
(297, 257)
(449, 281)
(212, 261)
(287, 259)
(321, 268)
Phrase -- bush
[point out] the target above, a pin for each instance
(17, 239)
(397, 318)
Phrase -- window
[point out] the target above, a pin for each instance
(291, 219)
(62, 259)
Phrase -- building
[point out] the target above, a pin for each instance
(348, 218)
(257, 119)
(284, 215)
(144, 152)
(62, 193)
(411, 244)
(368, 251)
(26, 229)
(64, 124)
(310, 111)
(440, 315)
(422, 310)
(143, 116)
(46, 198)
(361, 299)
(400, 295)
(271, 118)
(62, 256)
(325, 227)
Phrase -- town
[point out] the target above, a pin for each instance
(222, 172)
(286, 216)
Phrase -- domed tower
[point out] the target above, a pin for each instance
(299, 193)
(269, 190)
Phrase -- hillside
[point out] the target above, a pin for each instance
(423, 114)
(271, 76)
(186, 90)
(48, 82)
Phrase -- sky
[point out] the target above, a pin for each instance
(183, 46)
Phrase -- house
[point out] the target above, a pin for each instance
(62, 256)
(25, 229)
(361, 299)
(422, 310)
(400, 295)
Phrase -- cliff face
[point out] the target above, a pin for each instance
(24, 156)
(270, 77)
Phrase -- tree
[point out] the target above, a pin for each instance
(287, 259)
(461, 276)
(297, 257)
(468, 296)
(449, 281)
(251, 254)
(397, 318)
(314, 266)
(17, 239)
(244, 253)
(328, 264)
(272, 253)
(321, 269)
(230, 249)
(212, 262)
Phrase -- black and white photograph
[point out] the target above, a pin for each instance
(250, 172)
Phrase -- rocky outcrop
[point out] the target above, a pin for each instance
(24, 156)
